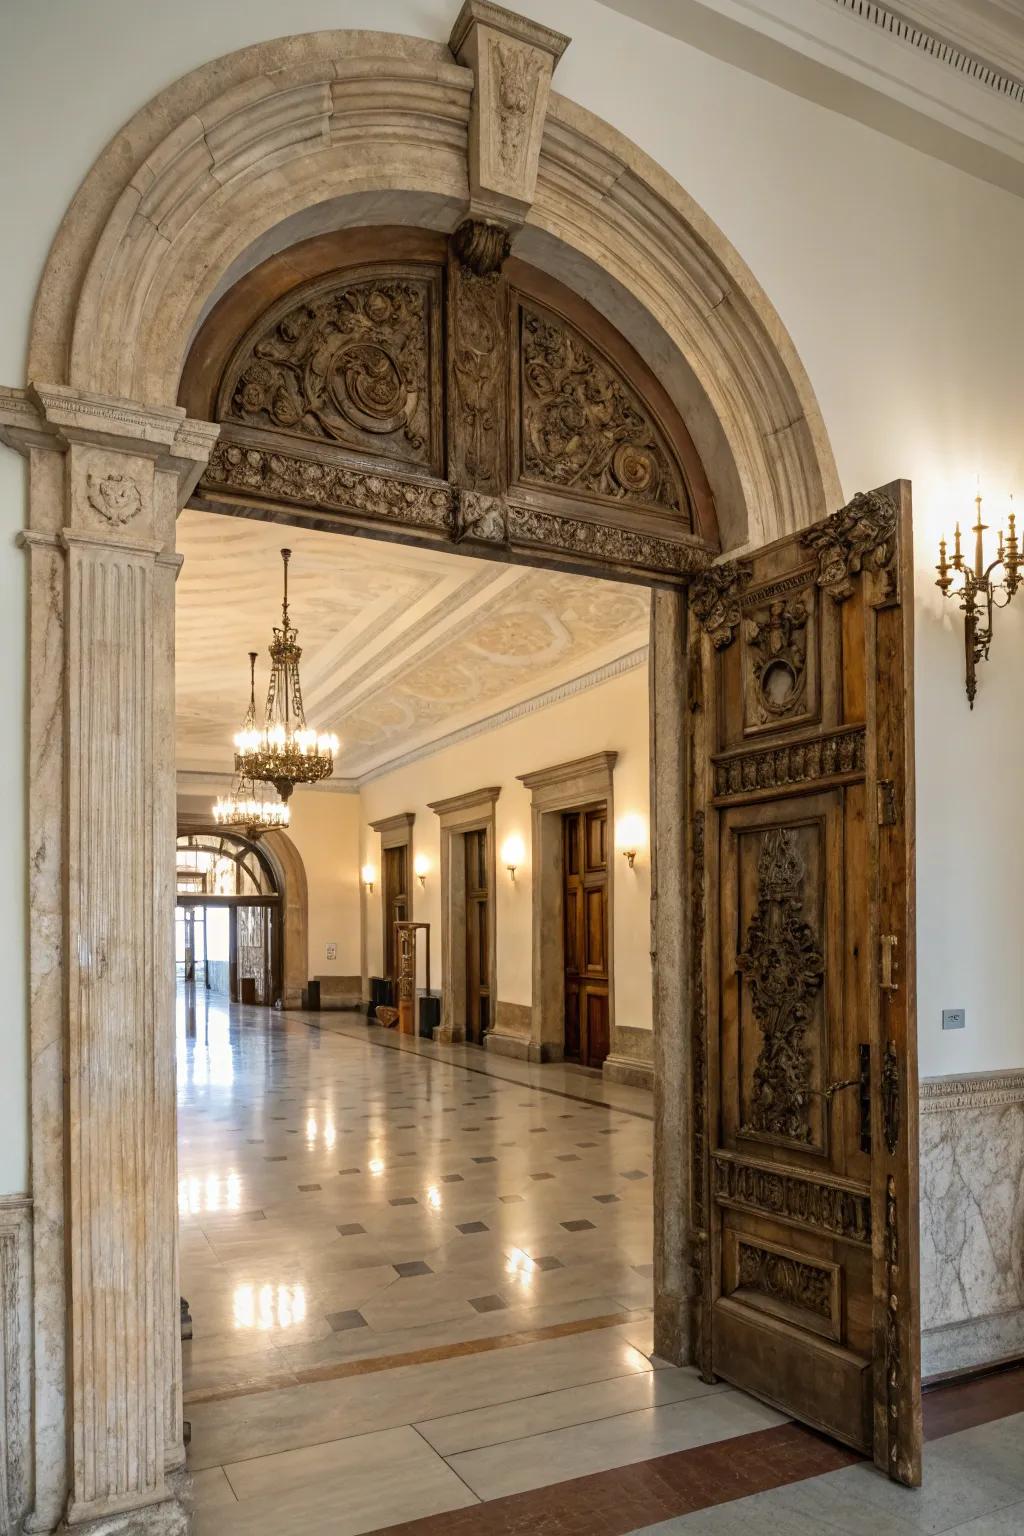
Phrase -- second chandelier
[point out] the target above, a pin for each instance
(284, 751)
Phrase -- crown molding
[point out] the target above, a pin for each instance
(567, 690)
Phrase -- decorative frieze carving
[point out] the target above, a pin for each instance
(824, 757)
(602, 541)
(316, 483)
(978, 1090)
(893, 1342)
(355, 363)
(785, 1278)
(715, 599)
(861, 536)
(795, 1198)
(784, 967)
(582, 428)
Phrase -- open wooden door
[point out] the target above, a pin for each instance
(805, 1181)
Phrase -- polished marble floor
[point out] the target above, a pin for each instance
(420, 1280)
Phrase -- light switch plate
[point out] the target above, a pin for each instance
(954, 1018)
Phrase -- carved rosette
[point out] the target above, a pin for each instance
(715, 599)
(862, 536)
(351, 363)
(784, 967)
(582, 428)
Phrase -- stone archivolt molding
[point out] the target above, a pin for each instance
(975, 1090)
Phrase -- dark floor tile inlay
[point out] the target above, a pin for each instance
(538, 1176)
(510, 1199)
(451, 1178)
(411, 1267)
(351, 1229)
(548, 1261)
(341, 1322)
(308, 1189)
(578, 1226)
(607, 1199)
(488, 1303)
(485, 1159)
(403, 1200)
(472, 1226)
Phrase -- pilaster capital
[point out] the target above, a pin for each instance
(512, 59)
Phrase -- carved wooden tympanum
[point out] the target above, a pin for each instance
(805, 1156)
(452, 396)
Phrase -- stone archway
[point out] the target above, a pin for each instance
(240, 158)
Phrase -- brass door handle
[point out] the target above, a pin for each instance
(834, 1088)
(888, 942)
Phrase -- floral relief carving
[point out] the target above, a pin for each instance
(115, 497)
(841, 752)
(583, 429)
(351, 364)
(861, 536)
(785, 1279)
(604, 541)
(784, 967)
(476, 359)
(516, 72)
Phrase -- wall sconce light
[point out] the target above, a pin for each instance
(513, 853)
(421, 868)
(630, 835)
(369, 876)
(977, 593)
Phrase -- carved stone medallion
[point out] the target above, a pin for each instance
(784, 967)
(116, 498)
(352, 362)
(582, 429)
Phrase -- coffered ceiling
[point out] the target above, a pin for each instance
(402, 648)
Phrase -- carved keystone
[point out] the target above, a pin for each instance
(512, 60)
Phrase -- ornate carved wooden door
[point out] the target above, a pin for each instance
(585, 865)
(805, 1168)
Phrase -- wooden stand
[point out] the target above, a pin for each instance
(406, 943)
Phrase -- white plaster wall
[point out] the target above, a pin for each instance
(325, 830)
(896, 275)
(610, 717)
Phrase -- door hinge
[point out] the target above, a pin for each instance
(886, 803)
(887, 943)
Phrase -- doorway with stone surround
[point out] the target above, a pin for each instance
(158, 242)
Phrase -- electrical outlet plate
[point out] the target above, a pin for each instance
(954, 1018)
(332, 951)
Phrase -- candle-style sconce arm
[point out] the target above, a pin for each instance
(976, 592)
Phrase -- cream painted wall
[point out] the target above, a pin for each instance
(610, 717)
(325, 830)
(896, 275)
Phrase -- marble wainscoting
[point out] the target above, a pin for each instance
(631, 1059)
(972, 1220)
(15, 1359)
(511, 1035)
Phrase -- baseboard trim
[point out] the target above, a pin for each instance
(975, 1344)
(629, 1072)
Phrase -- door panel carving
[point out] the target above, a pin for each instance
(805, 1146)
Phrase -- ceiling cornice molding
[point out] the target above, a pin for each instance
(567, 690)
(937, 30)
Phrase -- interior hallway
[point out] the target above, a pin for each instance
(420, 1280)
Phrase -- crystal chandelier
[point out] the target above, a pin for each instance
(284, 751)
(246, 806)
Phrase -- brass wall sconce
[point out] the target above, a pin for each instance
(630, 835)
(513, 853)
(369, 876)
(421, 868)
(978, 594)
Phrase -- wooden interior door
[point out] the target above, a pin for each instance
(585, 906)
(478, 950)
(395, 894)
(804, 1054)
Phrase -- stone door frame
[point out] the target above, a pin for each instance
(457, 815)
(246, 155)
